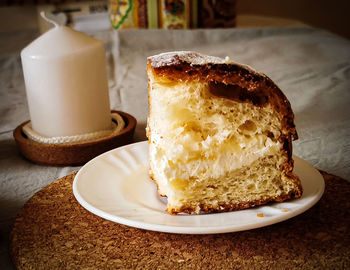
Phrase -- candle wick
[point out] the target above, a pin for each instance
(43, 15)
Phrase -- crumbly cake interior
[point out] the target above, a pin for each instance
(208, 152)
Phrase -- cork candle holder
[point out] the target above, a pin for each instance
(73, 153)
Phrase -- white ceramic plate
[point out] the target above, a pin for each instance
(116, 186)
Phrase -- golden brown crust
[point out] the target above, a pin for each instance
(227, 207)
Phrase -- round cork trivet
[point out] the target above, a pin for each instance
(73, 153)
(52, 231)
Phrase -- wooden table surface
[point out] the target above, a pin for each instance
(52, 231)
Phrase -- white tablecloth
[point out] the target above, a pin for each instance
(311, 66)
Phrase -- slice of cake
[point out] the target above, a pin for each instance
(220, 135)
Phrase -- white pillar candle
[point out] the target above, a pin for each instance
(66, 83)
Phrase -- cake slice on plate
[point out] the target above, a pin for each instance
(220, 135)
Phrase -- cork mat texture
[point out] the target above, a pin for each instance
(52, 231)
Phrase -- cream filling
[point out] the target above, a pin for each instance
(170, 162)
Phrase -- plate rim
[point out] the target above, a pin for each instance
(186, 229)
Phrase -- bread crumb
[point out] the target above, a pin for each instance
(285, 210)
(260, 214)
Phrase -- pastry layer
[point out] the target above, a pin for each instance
(260, 182)
(220, 135)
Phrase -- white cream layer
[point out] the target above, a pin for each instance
(170, 161)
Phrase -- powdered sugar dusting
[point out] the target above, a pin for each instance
(193, 58)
